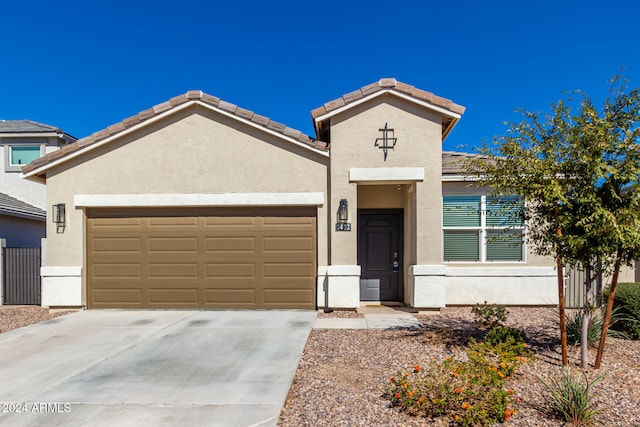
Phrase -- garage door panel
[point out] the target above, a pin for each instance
(231, 244)
(175, 296)
(117, 271)
(296, 221)
(108, 223)
(171, 222)
(278, 298)
(282, 270)
(247, 222)
(173, 244)
(117, 244)
(169, 271)
(228, 269)
(208, 258)
(288, 244)
(119, 296)
(231, 297)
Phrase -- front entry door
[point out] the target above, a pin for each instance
(380, 254)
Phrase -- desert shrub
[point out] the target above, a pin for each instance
(627, 306)
(572, 398)
(501, 357)
(504, 334)
(468, 393)
(574, 326)
(489, 315)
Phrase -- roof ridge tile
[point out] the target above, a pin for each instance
(227, 106)
(387, 83)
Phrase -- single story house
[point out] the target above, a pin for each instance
(199, 203)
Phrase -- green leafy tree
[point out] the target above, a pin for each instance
(578, 169)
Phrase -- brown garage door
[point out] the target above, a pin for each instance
(201, 258)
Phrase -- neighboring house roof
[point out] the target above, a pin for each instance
(452, 111)
(192, 96)
(25, 126)
(14, 207)
(13, 127)
(453, 163)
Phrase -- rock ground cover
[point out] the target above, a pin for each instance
(342, 373)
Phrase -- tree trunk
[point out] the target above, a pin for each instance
(607, 313)
(586, 319)
(563, 319)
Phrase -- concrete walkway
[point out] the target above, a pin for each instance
(374, 317)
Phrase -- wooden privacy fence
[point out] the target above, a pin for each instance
(574, 288)
(21, 271)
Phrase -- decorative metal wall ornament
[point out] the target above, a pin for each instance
(388, 140)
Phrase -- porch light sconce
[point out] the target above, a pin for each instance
(343, 216)
(58, 217)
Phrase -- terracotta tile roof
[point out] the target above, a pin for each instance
(388, 84)
(14, 207)
(190, 96)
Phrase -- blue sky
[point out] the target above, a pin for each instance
(83, 66)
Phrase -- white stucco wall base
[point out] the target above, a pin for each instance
(427, 286)
(434, 286)
(61, 286)
(339, 286)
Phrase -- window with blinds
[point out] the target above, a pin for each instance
(482, 229)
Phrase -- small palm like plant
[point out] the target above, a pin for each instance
(574, 327)
(572, 398)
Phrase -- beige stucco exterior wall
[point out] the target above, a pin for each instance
(380, 197)
(195, 151)
(419, 139)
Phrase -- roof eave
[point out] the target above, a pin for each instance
(21, 214)
(459, 178)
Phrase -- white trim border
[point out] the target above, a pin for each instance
(225, 199)
(386, 174)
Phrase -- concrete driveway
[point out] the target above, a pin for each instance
(151, 367)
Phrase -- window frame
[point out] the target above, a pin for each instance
(483, 231)
(8, 151)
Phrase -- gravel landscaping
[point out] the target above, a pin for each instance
(17, 316)
(342, 373)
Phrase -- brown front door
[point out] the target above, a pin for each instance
(380, 254)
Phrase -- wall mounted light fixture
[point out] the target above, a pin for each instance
(59, 216)
(343, 211)
(342, 216)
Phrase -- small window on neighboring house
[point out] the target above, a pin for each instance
(22, 155)
(18, 155)
(481, 228)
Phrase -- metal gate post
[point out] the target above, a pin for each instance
(3, 244)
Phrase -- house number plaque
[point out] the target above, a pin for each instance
(343, 226)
